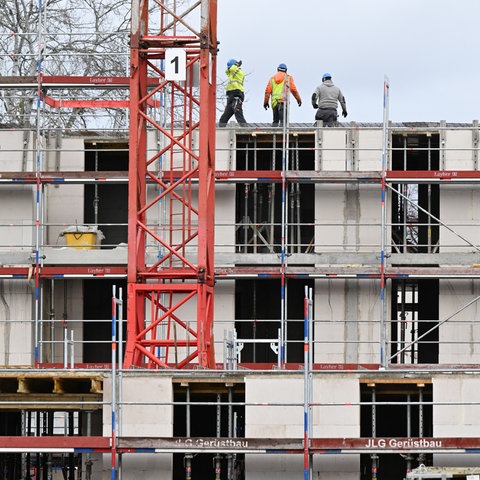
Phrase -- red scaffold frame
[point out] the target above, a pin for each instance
(165, 327)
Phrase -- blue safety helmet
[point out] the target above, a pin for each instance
(231, 62)
(326, 75)
(282, 68)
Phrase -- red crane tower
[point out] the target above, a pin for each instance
(170, 299)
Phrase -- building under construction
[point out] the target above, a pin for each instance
(181, 301)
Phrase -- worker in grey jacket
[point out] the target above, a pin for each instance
(325, 99)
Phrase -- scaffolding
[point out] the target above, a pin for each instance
(275, 236)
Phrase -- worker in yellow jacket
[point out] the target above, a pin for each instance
(235, 93)
(278, 87)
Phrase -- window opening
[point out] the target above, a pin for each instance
(404, 327)
(395, 410)
(257, 314)
(205, 410)
(259, 203)
(415, 208)
(106, 204)
(97, 313)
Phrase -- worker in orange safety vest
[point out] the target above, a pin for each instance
(278, 88)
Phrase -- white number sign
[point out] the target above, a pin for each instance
(175, 64)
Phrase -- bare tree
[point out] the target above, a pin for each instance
(63, 38)
(69, 38)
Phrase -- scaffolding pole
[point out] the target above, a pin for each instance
(114, 383)
(284, 225)
(383, 335)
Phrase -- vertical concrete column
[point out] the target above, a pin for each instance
(475, 140)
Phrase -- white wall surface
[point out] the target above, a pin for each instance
(224, 315)
(369, 150)
(333, 155)
(273, 467)
(142, 416)
(269, 421)
(341, 419)
(225, 149)
(224, 223)
(460, 211)
(17, 151)
(65, 208)
(459, 150)
(456, 410)
(347, 218)
(347, 319)
(344, 467)
(17, 207)
(459, 333)
(16, 323)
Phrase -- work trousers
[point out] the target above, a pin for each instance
(328, 115)
(278, 114)
(234, 107)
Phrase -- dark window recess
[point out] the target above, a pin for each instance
(204, 422)
(415, 229)
(415, 207)
(106, 204)
(11, 463)
(259, 230)
(415, 313)
(259, 204)
(400, 416)
(257, 310)
(97, 313)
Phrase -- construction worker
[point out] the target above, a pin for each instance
(235, 93)
(326, 98)
(278, 88)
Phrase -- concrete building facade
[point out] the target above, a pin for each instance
(346, 336)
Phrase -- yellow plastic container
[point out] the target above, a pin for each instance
(82, 241)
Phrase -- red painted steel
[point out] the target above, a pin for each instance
(395, 444)
(170, 303)
(209, 444)
(56, 442)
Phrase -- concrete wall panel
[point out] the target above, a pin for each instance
(65, 206)
(347, 218)
(17, 207)
(18, 151)
(224, 315)
(344, 467)
(457, 408)
(369, 150)
(459, 149)
(460, 332)
(16, 323)
(270, 421)
(225, 149)
(460, 210)
(347, 320)
(225, 222)
(140, 466)
(342, 419)
(142, 413)
(332, 155)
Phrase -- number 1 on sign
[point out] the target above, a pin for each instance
(175, 64)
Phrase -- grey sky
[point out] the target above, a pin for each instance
(427, 48)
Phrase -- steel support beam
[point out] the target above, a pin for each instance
(170, 302)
